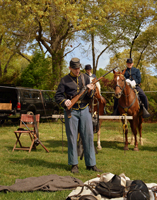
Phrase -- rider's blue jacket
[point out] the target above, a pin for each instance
(133, 74)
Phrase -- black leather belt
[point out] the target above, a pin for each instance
(82, 101)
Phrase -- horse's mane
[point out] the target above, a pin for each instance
(97, 84)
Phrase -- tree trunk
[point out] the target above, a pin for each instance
(0, 70)
(57, 60)
(93, 54)
(7, 64)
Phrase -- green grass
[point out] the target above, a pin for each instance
(112, 158)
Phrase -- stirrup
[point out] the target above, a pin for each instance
(146, 114)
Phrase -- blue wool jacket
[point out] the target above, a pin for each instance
(133, 74)
(70, 86)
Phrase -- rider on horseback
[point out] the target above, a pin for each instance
(133, 77)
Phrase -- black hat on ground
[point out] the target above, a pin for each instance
(87, 67)
(129, 60)
(75, 63)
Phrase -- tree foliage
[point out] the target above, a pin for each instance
(127, 25)
(51, 25)
(38, 73)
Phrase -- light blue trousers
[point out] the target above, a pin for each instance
(80, 120)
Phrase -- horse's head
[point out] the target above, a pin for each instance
(119, 83)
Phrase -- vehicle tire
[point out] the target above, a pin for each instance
(30, 113)
(14, 120)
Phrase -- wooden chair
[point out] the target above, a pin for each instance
(29, 126)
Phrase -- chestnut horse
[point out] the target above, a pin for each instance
(128, 104)
(102, 103)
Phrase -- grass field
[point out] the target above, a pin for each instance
(112, 158)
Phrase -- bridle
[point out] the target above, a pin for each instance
(122, 93)
(122, 89)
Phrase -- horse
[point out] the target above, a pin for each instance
(128, 104)
(98, 99)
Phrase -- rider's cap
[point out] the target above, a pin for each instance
(129, 60)
(75, 63)
(88, 67)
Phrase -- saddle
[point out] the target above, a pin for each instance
(112, 188)
(138, 191)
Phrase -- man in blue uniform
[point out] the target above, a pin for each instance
(79, 117)
(88, 69)
(133, 77)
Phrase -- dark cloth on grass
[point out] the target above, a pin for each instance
(49, 183)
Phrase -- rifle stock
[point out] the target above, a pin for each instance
(76, 98)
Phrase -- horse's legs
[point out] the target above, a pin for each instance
(126, 139)
(125, 131)
(132, 139)
(140, 129)
(133, 125)
(98, 136)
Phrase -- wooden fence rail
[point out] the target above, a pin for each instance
(100, 117)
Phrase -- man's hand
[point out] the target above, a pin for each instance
(128, 81)
(132, 83)
(67, 102)
(91, 86)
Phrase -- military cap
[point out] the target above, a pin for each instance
(88, 67)
(129, 60)
(75, 63)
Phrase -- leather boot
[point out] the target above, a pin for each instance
(74, 169)
(115, 112)
(146, 114)
(93, 168)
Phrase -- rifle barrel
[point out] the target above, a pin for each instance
(109, 71)
(104, 75)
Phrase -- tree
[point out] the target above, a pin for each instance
(52, 24)
(38, 73)
(107, 31)
(125, 22)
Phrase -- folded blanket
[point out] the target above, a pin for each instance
(51, 182)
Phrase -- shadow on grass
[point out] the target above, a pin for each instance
(55, 144)
(40, 150)
(33, 162)
(120, 146)
(112, 144)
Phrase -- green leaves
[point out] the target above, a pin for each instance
(38, 74)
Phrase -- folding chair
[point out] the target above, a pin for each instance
(29, 126)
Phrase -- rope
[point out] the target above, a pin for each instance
(125, 125)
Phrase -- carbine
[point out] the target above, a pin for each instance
(84, 89)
